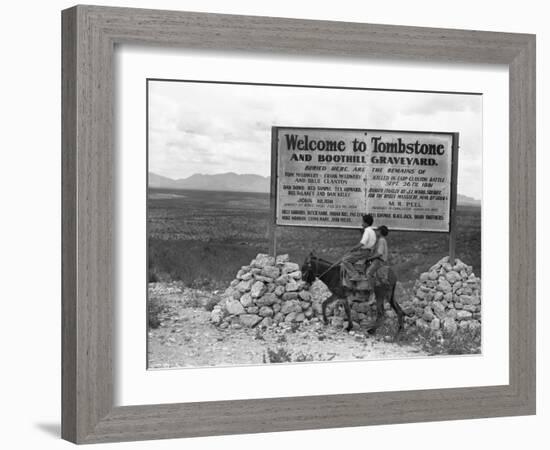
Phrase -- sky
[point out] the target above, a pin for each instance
(212, 128)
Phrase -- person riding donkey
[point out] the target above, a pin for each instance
(379, 256)
(361, 251)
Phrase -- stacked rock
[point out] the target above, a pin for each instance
(363, 312)
(446, 297)
(267, 291)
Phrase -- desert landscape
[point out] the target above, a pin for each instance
(199, 240)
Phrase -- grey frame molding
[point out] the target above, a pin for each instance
(89, 36)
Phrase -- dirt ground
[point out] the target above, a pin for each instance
(183, 336)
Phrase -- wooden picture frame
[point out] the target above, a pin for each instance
(89, 37)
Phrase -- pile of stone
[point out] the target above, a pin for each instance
(267, 292)
(363, 312)
(447, 297)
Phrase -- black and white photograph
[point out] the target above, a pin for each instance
(292, 224)
(265, 225)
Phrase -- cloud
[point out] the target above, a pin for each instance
(213, 128)
(444, 103)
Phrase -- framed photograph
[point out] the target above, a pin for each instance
(280, 224)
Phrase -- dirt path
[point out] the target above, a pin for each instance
(185, 337)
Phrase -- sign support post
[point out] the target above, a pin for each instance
(452, 214)
(272, 228)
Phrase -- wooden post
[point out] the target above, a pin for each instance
(454, 194)
(272, 227)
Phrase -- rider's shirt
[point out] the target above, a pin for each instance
(369, 238)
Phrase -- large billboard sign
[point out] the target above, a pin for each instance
(328, 177)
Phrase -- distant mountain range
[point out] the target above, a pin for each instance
(465, 200)
(231, 181)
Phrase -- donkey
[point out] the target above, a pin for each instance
(384, 289)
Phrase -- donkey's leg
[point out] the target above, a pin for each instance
(325, 304)
(380, 295)
(348, 313)
(397, 309)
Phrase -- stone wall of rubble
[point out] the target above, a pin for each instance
(447, 297)
(268, 291)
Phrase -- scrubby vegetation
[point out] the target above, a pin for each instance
(203, 238)
(279, 355)
(155, 308)
(463, 342)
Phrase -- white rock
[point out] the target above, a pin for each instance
(319, 291)
(266, 311)
(428, 315)
(234, 307)
(245, 285)
(216, 316)
(266, 322)
(452, 277)
(263, 279)
(290, 317)
(282, 280)
(279, 290)
(290, 267)
(246, 300)
(459, 266)
(289, 296)
(281, 259)
(444, 286)
(258, 288)
(267, 300)
(291, 306)
(297, 275)
(278, 317)
(250, 320)
(474, 325)
(449, 325)
(291, 286)
(271, 272)
(463, 315)
(438, 309)
(262, 260)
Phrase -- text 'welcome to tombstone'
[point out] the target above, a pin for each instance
(331, 177)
